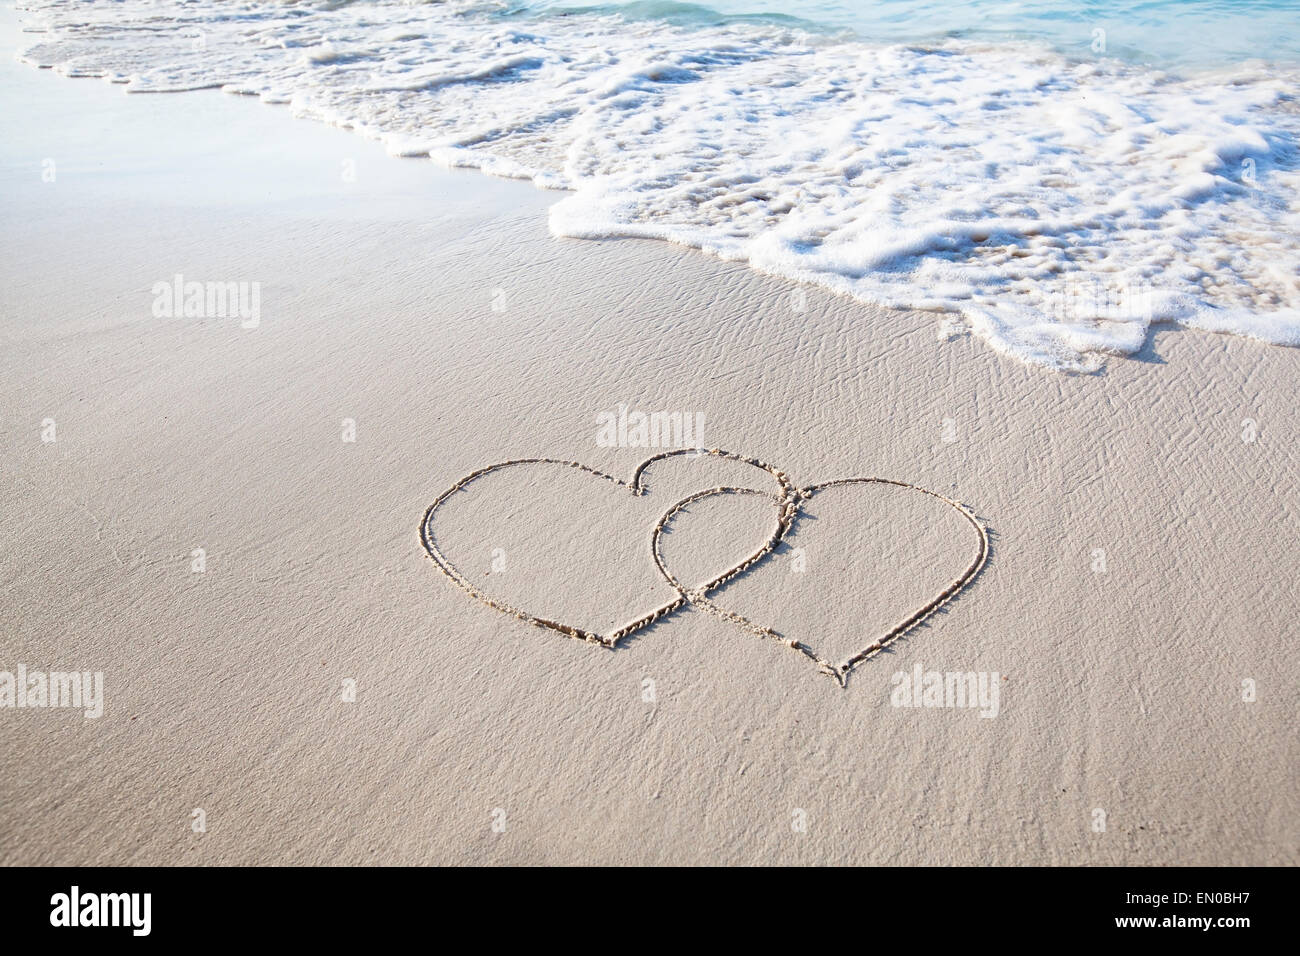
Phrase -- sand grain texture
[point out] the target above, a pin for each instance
(1123, 689)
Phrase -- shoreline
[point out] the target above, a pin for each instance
(1109, 196)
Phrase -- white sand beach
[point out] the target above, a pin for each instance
(324, 695)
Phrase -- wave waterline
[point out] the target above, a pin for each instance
(1057, 205)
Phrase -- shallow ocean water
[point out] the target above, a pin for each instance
(1052, 188)
(1184, 34)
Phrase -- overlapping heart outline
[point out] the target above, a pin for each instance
(787, 502)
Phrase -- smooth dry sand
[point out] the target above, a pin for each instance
(1123, 688)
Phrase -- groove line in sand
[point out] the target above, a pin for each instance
(787, 502)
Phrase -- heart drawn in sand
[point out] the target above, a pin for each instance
(786, 499)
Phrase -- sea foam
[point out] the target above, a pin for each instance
(1059, 206)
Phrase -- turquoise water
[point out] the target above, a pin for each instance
(1163, 33)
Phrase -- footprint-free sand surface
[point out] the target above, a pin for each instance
(1138, 608)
